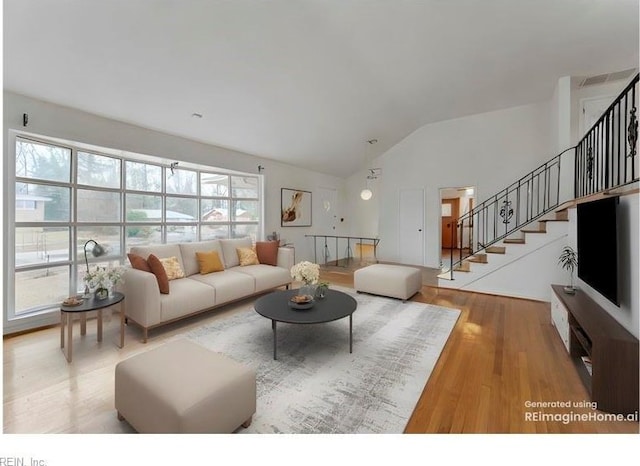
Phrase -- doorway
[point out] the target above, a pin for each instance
(454, 203)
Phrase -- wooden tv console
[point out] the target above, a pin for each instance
(589, 332)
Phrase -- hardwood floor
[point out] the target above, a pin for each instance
(503, 353)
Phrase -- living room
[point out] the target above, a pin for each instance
(484, 133)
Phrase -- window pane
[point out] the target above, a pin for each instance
(144, 208)
(181, 233)
(41, 245)
(213, 232)
(182, 182)
(98, 206)
(98, 170)
(39, 289)
(246, 211)
(143, 235)
(244, 186)
(212, 184)
(41, 161)
(41, 203)
(144, 177)
(214, 210)
(180, 209)
(240, 231)
(107, 237)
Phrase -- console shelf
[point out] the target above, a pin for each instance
(597, 338)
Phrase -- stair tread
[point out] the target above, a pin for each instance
(533, 231)
(478, 258)
(464, 267)
(514, 241)
(496, 250)
(554, 220)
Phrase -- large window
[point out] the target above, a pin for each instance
(66, 196)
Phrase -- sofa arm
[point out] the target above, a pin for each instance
(142, 297)
(285, 258)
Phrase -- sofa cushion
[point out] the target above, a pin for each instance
(187, 296)
(229, 246)
(161, 251)
(266, 276)
(267, 252)
(172, 267)
(161, 274)
(229, 285)
(138, 262)
(247, 256)
(209, 262)
(190, 262)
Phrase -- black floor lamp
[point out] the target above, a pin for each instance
(96, 251)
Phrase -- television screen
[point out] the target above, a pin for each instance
(598, 246)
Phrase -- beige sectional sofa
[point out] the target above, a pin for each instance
(196, 293)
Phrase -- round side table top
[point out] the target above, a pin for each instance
(93, 304)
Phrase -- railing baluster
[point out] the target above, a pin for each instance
(626, 109)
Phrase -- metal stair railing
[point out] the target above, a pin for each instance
(605, 158)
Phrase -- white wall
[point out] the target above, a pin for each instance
(47, 119)
(488, 151)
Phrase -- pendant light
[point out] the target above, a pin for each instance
(366, 193)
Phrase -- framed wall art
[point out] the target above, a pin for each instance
(295, 208)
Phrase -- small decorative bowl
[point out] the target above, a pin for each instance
(300, 303)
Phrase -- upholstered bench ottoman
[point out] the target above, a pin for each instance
(395, 281)
(182, 387)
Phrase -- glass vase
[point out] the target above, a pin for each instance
(307, 289)
(101, 293)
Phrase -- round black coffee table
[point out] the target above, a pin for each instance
(336, 305)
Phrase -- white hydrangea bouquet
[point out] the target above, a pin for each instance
(306, 272)
(103, 278)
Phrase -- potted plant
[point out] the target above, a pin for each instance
(569, 261)
(321, 290)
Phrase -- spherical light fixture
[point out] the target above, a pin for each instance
(366, 194)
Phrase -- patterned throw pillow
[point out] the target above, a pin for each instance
(172, 267)
(247, 256)
(209, 262)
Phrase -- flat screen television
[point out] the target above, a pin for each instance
(598, 246)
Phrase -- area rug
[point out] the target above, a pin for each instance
(316, 386)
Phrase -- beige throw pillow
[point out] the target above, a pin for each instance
(172, 267)
(247, 256)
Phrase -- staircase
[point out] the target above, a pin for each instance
(504, 267)
(524, 227)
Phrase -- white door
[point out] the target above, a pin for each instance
(411, 225)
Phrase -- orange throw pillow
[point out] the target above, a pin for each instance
(161, 274)
(139, 262)
(267, 252)
(209, 262)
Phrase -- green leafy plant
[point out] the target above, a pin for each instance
(569, 261)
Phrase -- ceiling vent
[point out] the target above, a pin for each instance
(606, 78)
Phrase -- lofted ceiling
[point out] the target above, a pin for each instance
(307, 82)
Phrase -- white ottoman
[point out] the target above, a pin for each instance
(182, 387)
(395, 281)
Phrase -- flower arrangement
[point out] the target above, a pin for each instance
(306, 272)
(102, 277)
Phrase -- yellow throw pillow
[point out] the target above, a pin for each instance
(209, 262)
(172, 267)
(247, 256)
